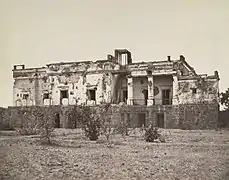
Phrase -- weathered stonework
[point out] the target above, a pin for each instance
(163, 92)
(190, 116)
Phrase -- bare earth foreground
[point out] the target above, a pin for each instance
(185, 155)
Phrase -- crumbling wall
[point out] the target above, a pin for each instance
(198, 91)
(28, 86)
(224, 119)
(186, 116)
(44, 85)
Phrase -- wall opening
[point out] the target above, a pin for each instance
(193, 90)
(46, 96)
(166, 97)
(145, 93)
(91, 94)
(160, 120)
(125, 95)
(141, 119)
(63, 94)
(25, 96)
(57, 120)
(128, 120)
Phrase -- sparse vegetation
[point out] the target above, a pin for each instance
(152, 134)
(106, 126)
(90, 122)
(72, 157)
(37, 123)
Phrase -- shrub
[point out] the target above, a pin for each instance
(37, 122)
(46, 126)
(90, 122)
(28, 124)
(153, 134)
(104, 116)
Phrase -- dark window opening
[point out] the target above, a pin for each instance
(125, 96)
(145, 93)
(122, 117)
(128, 122)
(46, 96)
(194, 91)
(166, 97)
(160, 120)
(17, 95)
(91, 95)
(142, 81)
(141, 119)
(25, 96)
(57, 120)
(64, 94)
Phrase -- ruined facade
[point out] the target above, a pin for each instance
(117, 80)
(167, 92)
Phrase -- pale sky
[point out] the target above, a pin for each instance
(37, 32)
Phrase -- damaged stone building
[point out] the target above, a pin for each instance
(168, 92)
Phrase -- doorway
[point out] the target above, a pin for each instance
(141, 119)
(145, 93)
(166, 97)
(160, 120)
(125, 95)
(63, 94)
(57, 120)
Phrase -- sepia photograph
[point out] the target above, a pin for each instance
(114, 90)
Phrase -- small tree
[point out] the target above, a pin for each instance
(152, 134)
(28, 123)
(104, 115)
(46, 125)
(90, 122)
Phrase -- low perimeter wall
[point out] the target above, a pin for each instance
(188, 116)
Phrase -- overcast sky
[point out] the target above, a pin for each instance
(37, 32)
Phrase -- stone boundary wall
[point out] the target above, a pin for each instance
(224, 119)
(186, 116)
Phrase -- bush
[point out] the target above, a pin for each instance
(37, 122)
(46, 126)
(153, 134)
(90, 122)
(28, 124)
(104, 116)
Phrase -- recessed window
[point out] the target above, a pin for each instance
(25, 96)
(142, 81)
(194, 90)
(64, 94)
(91, 94)
(46, 96)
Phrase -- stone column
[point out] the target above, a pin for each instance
(175, 89)
(150, 100)
(130, 90)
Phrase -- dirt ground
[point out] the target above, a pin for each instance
(185, 155)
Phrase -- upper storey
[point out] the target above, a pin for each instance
(121, 62)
